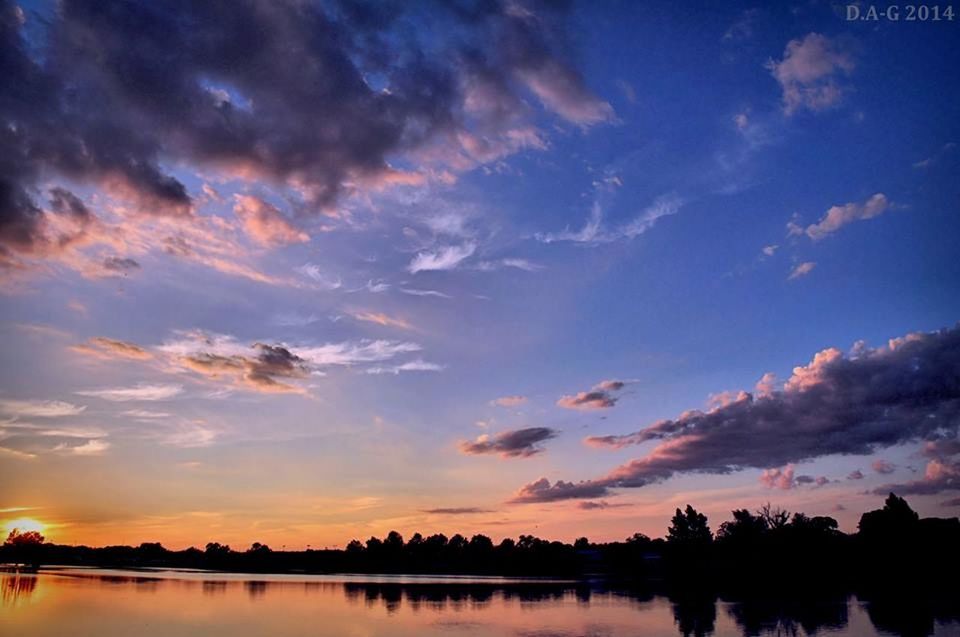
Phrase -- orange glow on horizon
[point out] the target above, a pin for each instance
(23, 525)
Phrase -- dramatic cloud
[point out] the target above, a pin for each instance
(809, 72)
(446, 258)
(839, 216)
(801, 270)
(509, 401)
(265, 224)
(142, 391)
(108, 348)
(519, 443)
(114, 96)
(853, 404)
(39, 408)
(600, 397)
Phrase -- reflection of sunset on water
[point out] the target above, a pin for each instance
(16, 588)
(166, 603)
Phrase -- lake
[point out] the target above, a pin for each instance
(162, 603)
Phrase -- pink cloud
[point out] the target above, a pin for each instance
(265, 224)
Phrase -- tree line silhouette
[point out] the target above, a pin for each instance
(769, 547)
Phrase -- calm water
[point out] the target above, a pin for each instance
(106, 603)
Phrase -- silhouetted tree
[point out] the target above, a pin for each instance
(745, 527)
(393, 542)
(581, 543)
(774, 517)
(24, 539)
(689, 528)
(24, 546)
(896, 517)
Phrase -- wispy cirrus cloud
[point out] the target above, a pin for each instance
(89, 448)
(595, 232)
(421, 292)
(39, 408)
(381, 319)
(418, 365)
(140, 392)
(443, 258)
(146, 414)
(509, 401)
(108, 349)
(316, 274)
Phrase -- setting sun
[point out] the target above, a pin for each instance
(23, 525)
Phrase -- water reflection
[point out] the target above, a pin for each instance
(119, 602)
(696, 615)
(16, 588)
(767, 616)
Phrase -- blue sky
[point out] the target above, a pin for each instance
(677, 198)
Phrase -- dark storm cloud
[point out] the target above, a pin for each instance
(521, 443)
(295, 93)
(870, 399)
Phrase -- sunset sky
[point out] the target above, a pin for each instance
(298, 272)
